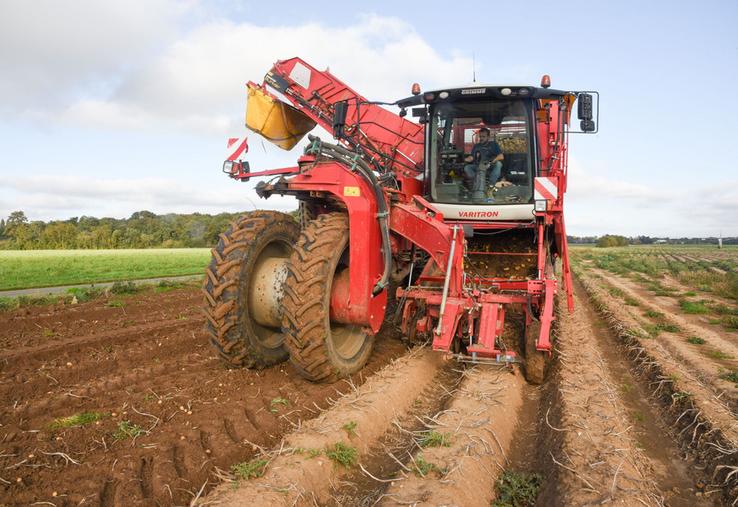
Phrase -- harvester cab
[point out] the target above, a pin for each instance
(458, 217)
(459, 184)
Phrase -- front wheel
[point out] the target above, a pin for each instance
(320, 348)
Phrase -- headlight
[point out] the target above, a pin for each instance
(540, 205)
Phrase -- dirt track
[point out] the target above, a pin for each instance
(594, 433)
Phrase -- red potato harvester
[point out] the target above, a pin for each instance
(468, 248)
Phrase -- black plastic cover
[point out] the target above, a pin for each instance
(584, 111)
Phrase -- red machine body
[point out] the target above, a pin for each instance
(461, 310)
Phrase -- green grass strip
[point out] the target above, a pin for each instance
(49, 268)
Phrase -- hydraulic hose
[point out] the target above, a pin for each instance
(354, 161)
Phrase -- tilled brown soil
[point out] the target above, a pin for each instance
(599, 431)
(692, 324)
(593, 434)
(301, 470)
(670, 282)
(708, 360)
(695, 412)
(479, 424)
(146, 366)
(597, 459)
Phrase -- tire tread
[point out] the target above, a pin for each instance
(223, 302)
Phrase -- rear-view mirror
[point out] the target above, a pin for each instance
(339, 118)
(585, 112)
(421, 113)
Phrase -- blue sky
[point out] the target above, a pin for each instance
(112, 107)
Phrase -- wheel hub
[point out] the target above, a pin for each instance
(267, 290)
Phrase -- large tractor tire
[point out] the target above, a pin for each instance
(243, 289)
(320, 349)
(536, 362)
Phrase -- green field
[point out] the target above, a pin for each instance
(693, 277)
(701, 268)
(46, 268)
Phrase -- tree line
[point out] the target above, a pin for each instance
(609, 240)
(143, 229)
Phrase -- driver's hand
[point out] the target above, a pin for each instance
(468, 158)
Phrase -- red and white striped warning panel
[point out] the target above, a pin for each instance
(546, 187)
(237, 146)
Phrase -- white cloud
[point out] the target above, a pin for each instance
(600, 202)
(711, 208)
(53, 196)
(110, 114)
(584, 185)
(197, 82)
(139, 78)
(52, 52)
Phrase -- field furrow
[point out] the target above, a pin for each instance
(706, 353)
(699, 420)
(140, 414)
(591, 435)
(598, 459)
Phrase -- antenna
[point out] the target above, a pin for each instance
(474, 69)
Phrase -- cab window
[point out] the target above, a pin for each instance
(480, 152)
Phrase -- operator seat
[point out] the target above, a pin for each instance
(515, 168)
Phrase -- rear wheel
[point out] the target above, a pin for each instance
(243, 289)
(321, 349)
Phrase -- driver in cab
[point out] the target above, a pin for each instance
(485, 154)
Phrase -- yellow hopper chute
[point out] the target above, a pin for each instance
(280, 123)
